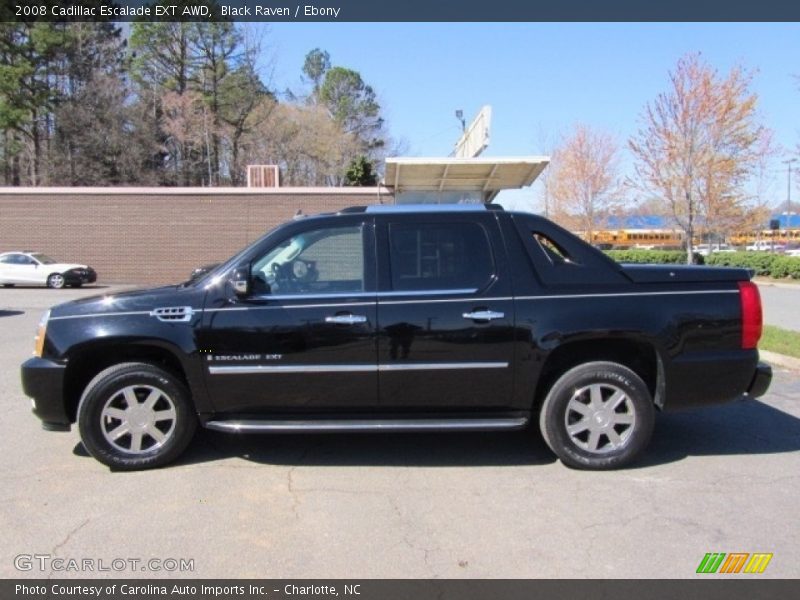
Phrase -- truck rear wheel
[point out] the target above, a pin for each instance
(598, 415)
(136, 416)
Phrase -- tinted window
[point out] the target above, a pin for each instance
(554, 252)
(443, 256)
(6, 260)
(561, 258)
(17, 259)
(323, 261)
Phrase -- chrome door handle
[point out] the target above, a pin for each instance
(483, 315)
(346, 319)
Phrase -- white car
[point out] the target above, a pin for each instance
(34, 268)
(765, 246)
(706, 249)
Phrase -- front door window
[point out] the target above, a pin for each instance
(319, 262)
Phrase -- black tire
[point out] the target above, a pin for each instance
(107, 394)
(600, 436)
(56, 281)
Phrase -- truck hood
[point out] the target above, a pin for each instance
(132, 301)
(683, 273)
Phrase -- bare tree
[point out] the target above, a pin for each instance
(185, 123)
(246, 103)
(699, 144)
(310, 147)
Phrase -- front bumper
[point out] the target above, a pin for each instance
(43, 380)
(761, 381)
(81, 276)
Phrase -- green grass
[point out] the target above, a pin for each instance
(782, 341)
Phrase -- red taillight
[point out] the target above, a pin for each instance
(751, 314)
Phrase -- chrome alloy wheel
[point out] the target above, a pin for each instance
(138, 419)
(600, 418)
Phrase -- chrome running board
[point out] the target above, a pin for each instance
(354, 425)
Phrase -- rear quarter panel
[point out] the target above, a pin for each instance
(694, 328)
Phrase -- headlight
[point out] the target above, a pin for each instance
(38, 344)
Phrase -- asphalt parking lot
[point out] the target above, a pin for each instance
(780, 304)
(415, 505)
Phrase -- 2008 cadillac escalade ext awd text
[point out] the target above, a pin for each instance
(394, 318)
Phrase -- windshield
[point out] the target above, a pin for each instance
(44, 259)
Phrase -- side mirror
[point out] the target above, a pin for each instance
(240, 280)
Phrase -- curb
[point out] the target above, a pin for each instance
(776, 283)
(788, 362)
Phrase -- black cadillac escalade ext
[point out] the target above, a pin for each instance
(404, 318)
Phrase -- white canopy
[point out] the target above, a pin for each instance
(485, 174)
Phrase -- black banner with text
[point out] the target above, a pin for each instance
(405, 11)
(398, 589)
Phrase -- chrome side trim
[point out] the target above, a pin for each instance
(283, 307)
(108, 314)
(474, 300)
(355, 368)
(441, 366)
(377, 295)
(256, 369)
(319, 425)
(624, 294)
(312, 297)
(427, 292)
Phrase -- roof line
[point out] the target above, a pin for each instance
(488, 160)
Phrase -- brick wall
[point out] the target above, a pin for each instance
(155, 235)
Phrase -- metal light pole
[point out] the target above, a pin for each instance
(788, 162)
(460, 117)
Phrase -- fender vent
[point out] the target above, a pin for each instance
(173, 314)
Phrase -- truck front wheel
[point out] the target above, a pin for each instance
(136, 416)
(598, 415)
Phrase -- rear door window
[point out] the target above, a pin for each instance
(439, 257)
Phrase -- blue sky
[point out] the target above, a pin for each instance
(540, 78)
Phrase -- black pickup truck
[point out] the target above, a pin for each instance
(401, 318)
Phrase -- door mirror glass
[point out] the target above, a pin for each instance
(240, 280)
